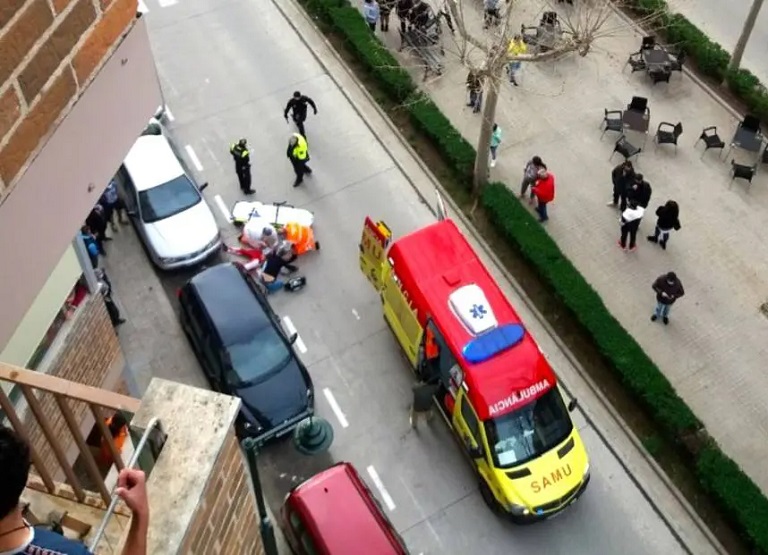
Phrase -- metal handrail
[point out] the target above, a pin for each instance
(114, 497)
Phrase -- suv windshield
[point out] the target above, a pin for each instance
(530, 431)
(168, 199)
(260, 356)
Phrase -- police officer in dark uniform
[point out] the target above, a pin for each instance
(297, 105)
(239, 152)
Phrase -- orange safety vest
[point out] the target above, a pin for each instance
(302, 237)
(118, 439)
(431, 350)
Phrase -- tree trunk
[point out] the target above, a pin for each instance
(741, 44)
(480, 177)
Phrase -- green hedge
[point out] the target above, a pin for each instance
(730, 488)
(711, 58)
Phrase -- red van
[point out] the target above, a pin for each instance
(334, 513)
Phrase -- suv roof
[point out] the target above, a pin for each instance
(342, 514)
(230, 301)
(152, 162)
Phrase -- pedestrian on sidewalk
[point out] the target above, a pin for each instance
(90, 245)
(475, 88)
(298, 154)
(423, 402)
(97, 223)
(517, 47)
(491, 15)
(495, 142)
(530, 173)
(371, 14)
(668, 288)
(622, 177)
(242, 157)
(640, 190)
(112, 204)
(385, 8)
(106, 291)
(403, 10)
(630, 223)
(297, 106)
(668, 218)
(544, 191)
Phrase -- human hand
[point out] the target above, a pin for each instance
(132, 488)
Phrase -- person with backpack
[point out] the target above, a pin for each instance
(667, 219)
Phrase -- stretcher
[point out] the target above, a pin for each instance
(277, 213)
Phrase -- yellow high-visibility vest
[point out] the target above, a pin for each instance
(301, 149)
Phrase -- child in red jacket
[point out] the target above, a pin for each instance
(544, 191)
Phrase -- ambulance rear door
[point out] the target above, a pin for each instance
(373, 251)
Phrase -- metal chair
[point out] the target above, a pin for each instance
(667, 134)
(613, 121)
(678, 61)
(625, 148)
(636, 62)
(648, 43)
(711, 140)
(742, 171)
(750, 123)
(639, 104)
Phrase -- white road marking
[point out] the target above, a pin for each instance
(335, 408)
(142, 7)
(291, 329)
(169, 114)
(194, 158)
(223, 208)
(166, 3)
(354, 312)
(380, 486)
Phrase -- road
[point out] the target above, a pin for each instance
(724, 26)
(227, 68)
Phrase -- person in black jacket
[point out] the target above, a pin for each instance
(621, 176)
(385, 8)
(668, 218)
(403, 10)
(640, 190)
(297, 105)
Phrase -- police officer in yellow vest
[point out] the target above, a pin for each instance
(239, 152)
(298, 154)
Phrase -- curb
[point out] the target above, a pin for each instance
(512, 281)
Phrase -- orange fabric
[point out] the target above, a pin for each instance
(430, 346)
(302, 237)
(119, 440)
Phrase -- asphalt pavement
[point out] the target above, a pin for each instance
(725, 25)
(228, 67)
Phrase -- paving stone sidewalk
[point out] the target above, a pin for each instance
(714, 349)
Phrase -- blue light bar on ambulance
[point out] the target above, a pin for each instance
(493, 342)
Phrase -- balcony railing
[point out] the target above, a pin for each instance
(49, 401)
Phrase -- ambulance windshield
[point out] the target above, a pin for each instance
(530, 431)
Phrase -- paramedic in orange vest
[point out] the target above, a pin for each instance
(301, 237)
(431, 349)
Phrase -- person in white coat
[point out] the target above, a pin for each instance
(630, 223)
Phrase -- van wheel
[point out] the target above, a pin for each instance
(489, 498)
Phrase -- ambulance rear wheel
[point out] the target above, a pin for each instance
(489, 498)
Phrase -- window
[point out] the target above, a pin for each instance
(168, 199)
(259, 356)
(468, 414)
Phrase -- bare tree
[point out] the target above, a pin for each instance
(487, 52)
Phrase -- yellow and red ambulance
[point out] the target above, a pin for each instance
(498, 391)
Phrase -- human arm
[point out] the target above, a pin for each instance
(288, 108)
(311, 103)
(132, 489)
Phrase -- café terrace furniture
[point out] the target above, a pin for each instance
(660, 75)
(743, 171)
(711, 140)
(658, 63)
(668, 133)
(678, 61)
(639, 104)
(748, 136)
(648, 42)
(613, 122)
(636, 62)
(625, 148)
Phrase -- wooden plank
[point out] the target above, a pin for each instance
(72, 390)
(18, 427)
(90, 463)
(101, 422)
(42, 421)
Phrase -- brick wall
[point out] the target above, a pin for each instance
(226, 521)
(89, 352)
(49, 52)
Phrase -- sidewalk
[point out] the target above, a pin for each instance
(714, 348)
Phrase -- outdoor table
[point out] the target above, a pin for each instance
(635, 121)
(747, 139)
(656, 57)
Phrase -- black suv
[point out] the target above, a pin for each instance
(244, 351)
